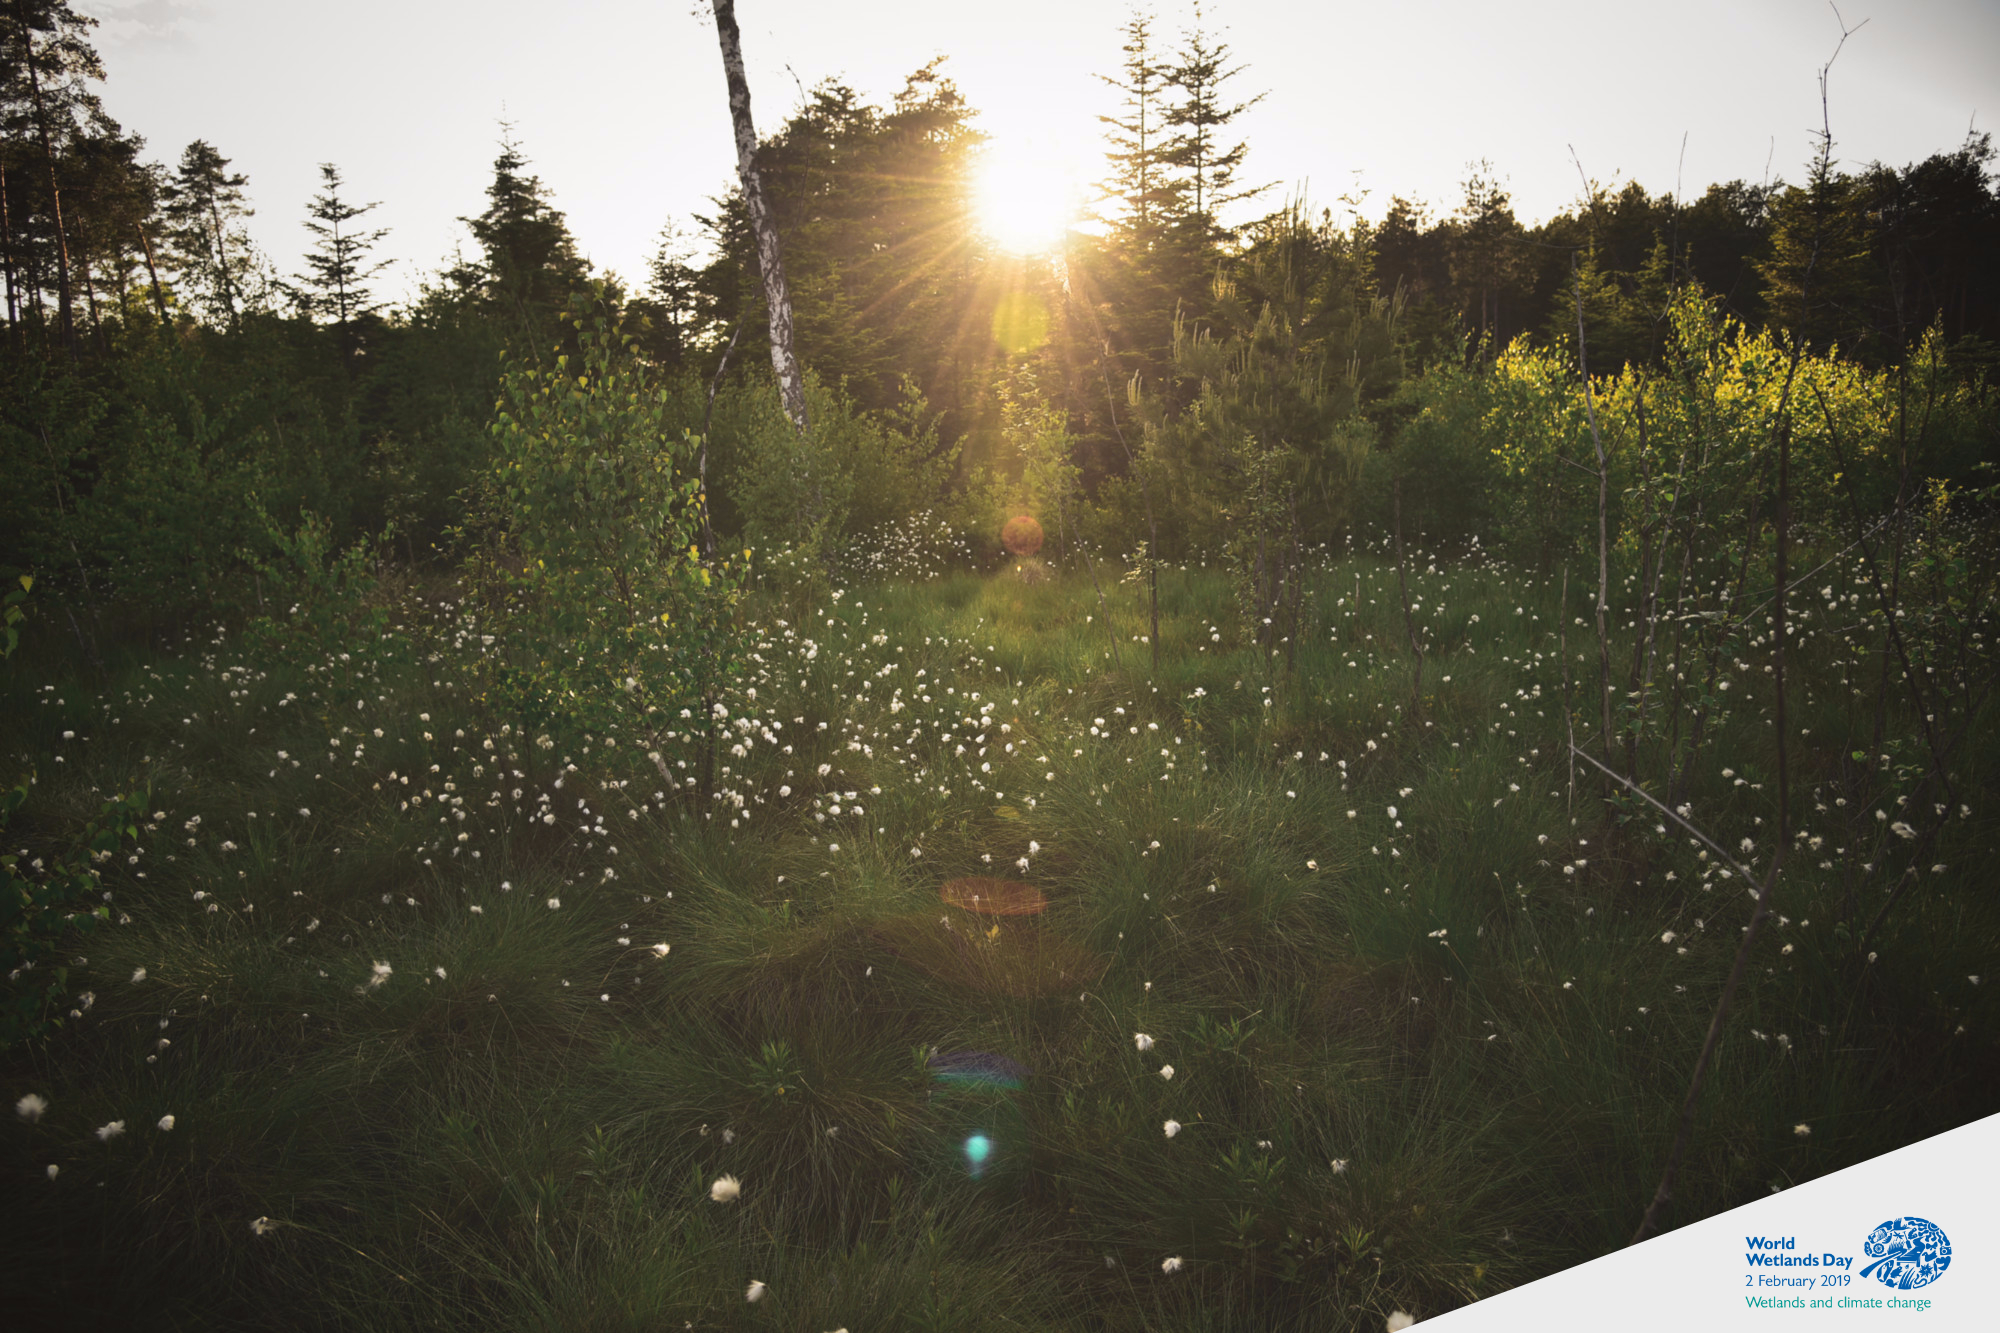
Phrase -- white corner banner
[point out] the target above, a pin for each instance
(1909, 1240)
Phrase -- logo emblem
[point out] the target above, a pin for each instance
(1908, 1253)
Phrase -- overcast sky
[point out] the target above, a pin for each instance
(620, 103)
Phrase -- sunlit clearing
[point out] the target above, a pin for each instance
(1027, 199)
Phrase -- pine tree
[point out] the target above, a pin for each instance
(108, 194)
(205, 209)
(46, 105)
(335, 285)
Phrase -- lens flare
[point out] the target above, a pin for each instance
(978, 1149)
(1021, 535)
(978, 1069)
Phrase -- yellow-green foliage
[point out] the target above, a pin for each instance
(1696, 435)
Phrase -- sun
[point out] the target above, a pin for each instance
(1026, 198)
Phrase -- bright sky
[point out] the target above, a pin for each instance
(621, 108)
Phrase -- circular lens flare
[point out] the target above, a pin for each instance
(978, 1149)
(1021, 535)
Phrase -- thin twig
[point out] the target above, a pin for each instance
(1654, 801)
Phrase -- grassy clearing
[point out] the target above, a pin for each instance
(1428, 1007)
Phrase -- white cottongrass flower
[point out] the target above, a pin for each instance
(724, 1190)
(166, 1124)
(1142, 1041)
(30, 1107)
(381, 974)
(1167, 1072)
(1172, 1127)
(106, 1133)
(1399, 1321)
(1668, 937)
(138, 975)
(54, 1170)
(261, 1225)
(1171, 1265)
(1392, 812)
(554, 903)
(1339, 1165)
(1802, 1129)
(755, 1292)
(660, 950)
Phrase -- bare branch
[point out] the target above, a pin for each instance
(1653, 801)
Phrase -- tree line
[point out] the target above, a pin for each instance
(1169, 378)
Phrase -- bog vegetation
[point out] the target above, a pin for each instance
(504, 831)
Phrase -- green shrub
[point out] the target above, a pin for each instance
(588, 555)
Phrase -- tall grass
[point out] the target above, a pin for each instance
(1428, 1002)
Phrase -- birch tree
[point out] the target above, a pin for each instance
(785, 365)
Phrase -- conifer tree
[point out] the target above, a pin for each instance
(47, 65)
(1136, 140)
(530, 264)
(205, 209)
(1197, 120)
(335, 285)
(107, 194)
(1485, 256)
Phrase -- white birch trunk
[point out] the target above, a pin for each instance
(791, 384)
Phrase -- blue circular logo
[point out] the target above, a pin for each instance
(1908, 1253)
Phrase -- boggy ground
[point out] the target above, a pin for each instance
(1350, 1002)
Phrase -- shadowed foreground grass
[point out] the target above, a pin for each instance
(458, 1023)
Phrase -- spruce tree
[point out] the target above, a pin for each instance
(1140, 184)
(335, 285)
(1197, 119)
(530, 263)
(1485, 255)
